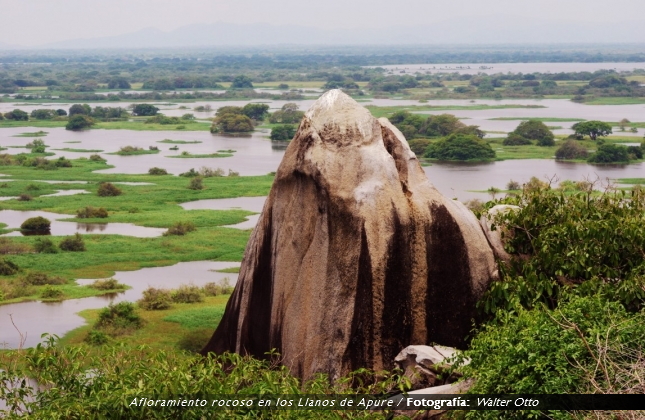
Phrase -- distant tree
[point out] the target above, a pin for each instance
(43, 114)
(17, 115)
(593, 129)
(441, 125)
(231, 123)
(61, 112)
(462, 147)
(515, 139)
(283, 86)
(535, 130)
(1, 116)
(145, 110)
(242, 82)
(78, 109)
(610, 153)
(119, 83)
(471, 129)
(288, 114)
(256, 112)
(79, 122)
(607, 81)
(283, 132)
(571, 149)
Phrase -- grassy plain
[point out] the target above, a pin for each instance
(154, 205)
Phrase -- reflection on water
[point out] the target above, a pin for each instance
(14, 218)
(36, 318)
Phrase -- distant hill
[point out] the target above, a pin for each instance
(467, 30)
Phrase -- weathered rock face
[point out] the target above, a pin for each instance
(356, 255)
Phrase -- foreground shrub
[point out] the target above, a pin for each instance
(187, 294)
(561, 352)
(107, 189)
(90, 212)
(119, 319)
(107, 284)
(44, 246)
(96, 338)
(166, 374)
(571, 149)
(180, 228)
(155, 299)
(223, 287)
(51, 293)
(36, 224)
(8, 268)
(73, 243)
(196, 183)
(40, 279)
(157, 171)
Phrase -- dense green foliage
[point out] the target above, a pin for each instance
(144, 110)
(288, 114)
(36, 224)
(74, 243)
(570, 150)
(610, 153)
(460, 147)
(79, 122)
(283, 132)
(593, 129)
(533, 130)
(514, 139)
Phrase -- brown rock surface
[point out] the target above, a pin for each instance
(356, 255)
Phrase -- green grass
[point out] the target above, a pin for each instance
(631, 181)
(210, 155)
(385, 111)
(543, 119)
(68, 149)
(208, 317)
(154, 205)
(615, 101)
(68, 142)
(157, 331)
(136, 125)
(135, 152)
(229, 270)
(34, 134)
(178, 141)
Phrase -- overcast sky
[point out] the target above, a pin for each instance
(34, 22)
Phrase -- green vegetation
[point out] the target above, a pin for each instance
(186, 155)
(571, 150)
(34, 134)
(68, 149)
(283, 132)
(134, 150)
(610, 153)
(178, 141)
(543, 119)
(460, 147)
(593, 129)
(531, 130)
(36, 224)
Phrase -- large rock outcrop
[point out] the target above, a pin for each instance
(356, 255)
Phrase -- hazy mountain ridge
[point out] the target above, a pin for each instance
(467, 30)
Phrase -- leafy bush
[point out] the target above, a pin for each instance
(571, 149)
(187, 294)
(96, 158)
(419, 146)
(44, 246)
(97, 338)
(91, 212)
(460, 147)
(7, 246)
(223, 287)
(51, 293)
(283, 132)
(79, 122)
(8, 268)
(635, 152)
(107, 284)
(180, 228)
(24, 197)
(155, 299)
(157, 171)
(610, 153)
(542, 352)
(197, 183)
(119, 319)
(535, 130)
(73, 243)
(514, 139)
(107, 189)
(513, 185)
(41, 279)
(37, 224)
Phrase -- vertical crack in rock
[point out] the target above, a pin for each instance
(356, 255)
